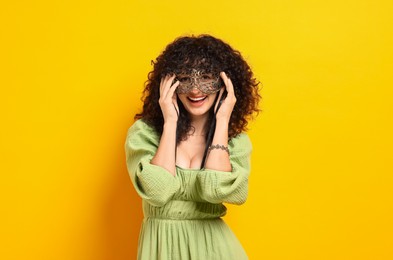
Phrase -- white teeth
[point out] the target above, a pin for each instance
(196, 99)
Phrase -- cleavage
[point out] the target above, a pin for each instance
(189, 154)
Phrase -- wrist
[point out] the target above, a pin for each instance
(222, 121)
(170, 125)
(170, 121)
(221, 133)
(218, 146)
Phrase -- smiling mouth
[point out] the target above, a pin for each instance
(196, 99)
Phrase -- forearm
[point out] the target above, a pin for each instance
(218, 159)
(165, 155)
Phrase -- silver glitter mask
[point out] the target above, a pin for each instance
(207, 83)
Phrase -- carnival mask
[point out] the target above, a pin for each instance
(208, 83)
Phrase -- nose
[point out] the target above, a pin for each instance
(195, 85)
(195, 89)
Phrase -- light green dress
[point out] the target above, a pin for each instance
(182, 213)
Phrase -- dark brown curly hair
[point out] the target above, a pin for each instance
(202, 52)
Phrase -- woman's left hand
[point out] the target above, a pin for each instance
(225, 110)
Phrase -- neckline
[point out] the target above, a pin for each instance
(187, 169)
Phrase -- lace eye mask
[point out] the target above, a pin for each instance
(208, 83)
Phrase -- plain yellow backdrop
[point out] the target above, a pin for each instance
(71, 78)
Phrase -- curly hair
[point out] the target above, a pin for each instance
(203, 52)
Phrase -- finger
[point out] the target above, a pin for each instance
(162, 84)
(224, 76)
(167, 85)
(227, 82)
(164, 80)
(229, 87)
(172, 89)
(174, 102)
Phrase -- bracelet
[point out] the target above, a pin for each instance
(217, 146)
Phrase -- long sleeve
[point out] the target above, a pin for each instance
(153, 183)
(230, 187)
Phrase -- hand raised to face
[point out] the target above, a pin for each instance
(168, 98)
(225, 110)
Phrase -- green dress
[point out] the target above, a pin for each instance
(182, 213)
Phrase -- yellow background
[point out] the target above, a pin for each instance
(71, 78)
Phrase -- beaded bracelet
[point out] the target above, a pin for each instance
(217, 146)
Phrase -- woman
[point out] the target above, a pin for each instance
(187, 152)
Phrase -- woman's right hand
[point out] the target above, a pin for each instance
(168, 99)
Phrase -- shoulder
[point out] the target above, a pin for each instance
(140, 126)
(140, 130)
(240, 144)
(241, 139)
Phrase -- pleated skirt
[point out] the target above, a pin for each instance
(188, 239)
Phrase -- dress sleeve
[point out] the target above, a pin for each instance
(153, 183)
(230, 187)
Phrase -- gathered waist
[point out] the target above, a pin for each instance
(182, 209)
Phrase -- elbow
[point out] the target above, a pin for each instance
(227, 198)
(158, 201)
(240, 200)
(156, 186)
(237, 198)
(160, 197)
(155, 199)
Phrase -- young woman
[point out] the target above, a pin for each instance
(187, 152)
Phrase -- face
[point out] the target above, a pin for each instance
(197, 91)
